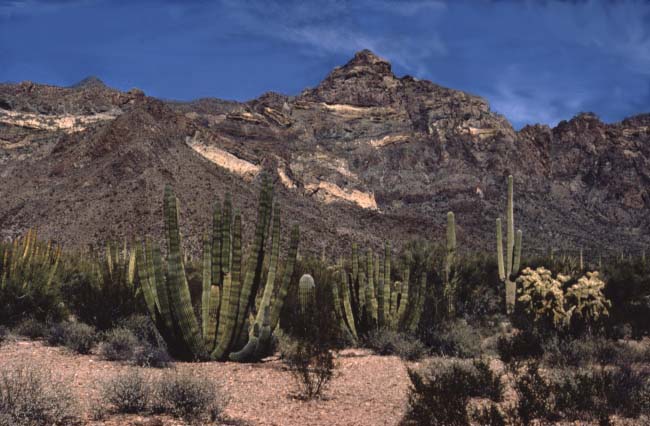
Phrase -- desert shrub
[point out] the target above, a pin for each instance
(454, 338)
(4, 333)
(590, 349)
(318, 323)
(312, 368)
(119, 344)
(478, 292)
(440, 395)
(186, 396)
(490, 415)
(80, 337)
(30, 396)
(56, 334)
(390, 342)
(143, 328)
(315, 331)
(535, 395)
(127, 392)
(521, 345)
(31, 328)
(628, 288)
(147, 355)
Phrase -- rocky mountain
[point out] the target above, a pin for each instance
(365, 155)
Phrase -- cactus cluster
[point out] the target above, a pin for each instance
(25, 258)
(367, 297)
(509, 268)
(235, 323)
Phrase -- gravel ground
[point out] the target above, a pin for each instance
(367, 389)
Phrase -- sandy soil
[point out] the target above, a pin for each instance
(367, 389)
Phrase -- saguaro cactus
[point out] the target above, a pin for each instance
(226, 300)
(450, 277)
(513, 251)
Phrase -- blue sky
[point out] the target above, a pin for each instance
(535, 61)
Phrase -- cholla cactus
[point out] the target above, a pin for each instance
(541, 296)
(589, 304)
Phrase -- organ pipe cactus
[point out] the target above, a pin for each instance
(509, 268)
(367, 298)
(229, 289)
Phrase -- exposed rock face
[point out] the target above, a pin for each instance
(364, 155)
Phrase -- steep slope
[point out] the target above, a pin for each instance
(365, 154)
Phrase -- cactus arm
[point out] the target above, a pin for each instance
(255, 261)
(417, 312)
(371, 300)
(517, 261)
(306, 292)
(502, 269)
(278, 299)
(380, 293)
(233, 281)
(355, 262)
(387, 284)
(217, 237)
(269, 287)
(347, 309)
(510, 225)
(148, 290)
(178, 288)
(207, 290)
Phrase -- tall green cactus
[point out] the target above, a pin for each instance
(227, 297)
(380, 302)
(511, 266)
(450, 277)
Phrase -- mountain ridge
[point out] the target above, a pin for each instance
(383, 155)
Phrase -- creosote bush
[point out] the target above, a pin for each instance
(390, 342)
(119, 344)
(30, 396)
(454, 338)
(128, 392)
(440, 395)
(79, 337)
(186, 396)
(31, 328)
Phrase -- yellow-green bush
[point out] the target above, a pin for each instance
(541, 296)
(543, 299)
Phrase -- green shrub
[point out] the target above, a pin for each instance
(390, 342)
(535, 395)
(143, 328)
(440, 395)
(188, 397)
(519, 346)
(29, 396)
(31, 328)
(56, 334)
(127, 392)
(628, 288)
(455, 338)
(80, 337)
(119, 344)
(147, 355)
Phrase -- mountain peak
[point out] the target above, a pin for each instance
(90, 81)
(366, 61)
